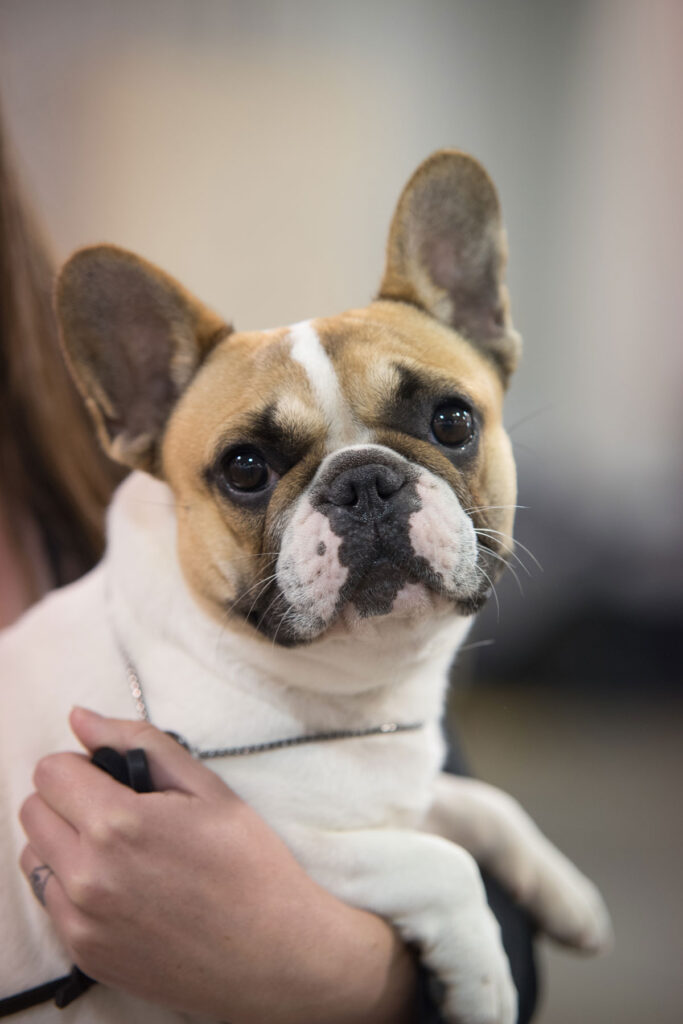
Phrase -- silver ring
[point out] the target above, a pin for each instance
(38, 879)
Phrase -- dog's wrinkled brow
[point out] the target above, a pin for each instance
(410, 383)
(268, 428)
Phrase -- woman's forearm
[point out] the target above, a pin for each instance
(357, 972)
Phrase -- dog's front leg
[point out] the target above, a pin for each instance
(504, 840)
(432, 892)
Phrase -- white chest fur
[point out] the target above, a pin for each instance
(218, 688)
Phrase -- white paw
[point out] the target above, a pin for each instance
(479, 986)
(565, 904)
(570, 908)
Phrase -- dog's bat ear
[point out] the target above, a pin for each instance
(447, 253)
(134, 339)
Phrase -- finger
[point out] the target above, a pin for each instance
(78, 791)
(45, 883)
(52, 838)
(172, 767)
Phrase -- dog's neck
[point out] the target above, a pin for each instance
(385, 669)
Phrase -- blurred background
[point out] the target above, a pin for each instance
(256, 150)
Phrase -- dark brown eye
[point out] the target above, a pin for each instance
(453, 425)
(245, 471)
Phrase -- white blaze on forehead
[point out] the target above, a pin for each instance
(307, 350)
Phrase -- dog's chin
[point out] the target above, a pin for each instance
(414, 603)
(365, 619)
(378, 598)
(366, 614)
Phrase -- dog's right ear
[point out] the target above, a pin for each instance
(133, 338)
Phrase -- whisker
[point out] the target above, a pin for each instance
(285, 618)
(507, 565)
(225, 619)
(256, 554)
(487, 508)
(228, 610)
(263, 584)
(475, 644)
(517, 543)
(509, 550)
(289, 616)
(275, 599)
(493, 589)
(520, 447)
(531, 416)
(266, 584)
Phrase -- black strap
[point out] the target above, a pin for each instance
(130, 769)
(31, 997)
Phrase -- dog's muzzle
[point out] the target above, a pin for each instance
(374, 534)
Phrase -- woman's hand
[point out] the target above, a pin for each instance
(186, 898)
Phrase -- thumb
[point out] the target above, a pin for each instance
(172, 767)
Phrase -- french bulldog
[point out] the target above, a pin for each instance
(316, 513)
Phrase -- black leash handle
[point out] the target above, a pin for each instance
(130, 769)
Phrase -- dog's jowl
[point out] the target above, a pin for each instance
(315, 514)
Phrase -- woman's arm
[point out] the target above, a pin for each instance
(186, 898)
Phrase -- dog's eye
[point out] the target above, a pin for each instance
(453, 425)
(245, 470)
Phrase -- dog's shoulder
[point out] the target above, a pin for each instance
(51, 627)
(60, 653)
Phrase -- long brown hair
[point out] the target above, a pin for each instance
(52, 471)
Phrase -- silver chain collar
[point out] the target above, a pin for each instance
(385, 729)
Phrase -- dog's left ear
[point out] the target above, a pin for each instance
(133, 338)
(447, 253)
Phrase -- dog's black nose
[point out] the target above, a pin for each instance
(365, 490)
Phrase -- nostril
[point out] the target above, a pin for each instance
(343, 491)
(364, 486)
(388, 482)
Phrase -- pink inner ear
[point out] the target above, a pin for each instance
(471, 283)
(443, 263)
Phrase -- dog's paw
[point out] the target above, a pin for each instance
(479, 985)
(569, 907)
(564, 903)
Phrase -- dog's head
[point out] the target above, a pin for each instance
(345, 467)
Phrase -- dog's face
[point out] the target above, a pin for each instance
(341, 467)
(338, 469)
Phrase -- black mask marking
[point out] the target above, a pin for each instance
(368, 498)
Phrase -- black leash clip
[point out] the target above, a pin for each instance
(130, 769)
